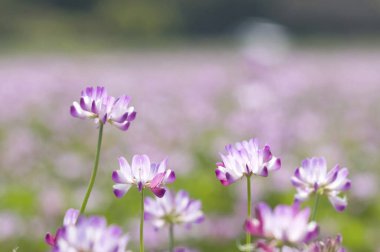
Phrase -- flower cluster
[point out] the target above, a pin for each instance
(244, 159)
(96, 104)
(143, 174)
(173, 209)
(312, 177)
(284, 228)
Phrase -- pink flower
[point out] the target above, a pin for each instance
(173, 209)
(96, 104)
(245, 159)
(286, 224)
(91, 234)
(143, 174)
(312, 177)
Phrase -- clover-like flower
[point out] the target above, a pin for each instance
(97, 105)
(244, 159)
(143, 174)
(330, 244)
(90, 234)
(70, 219)
(173, 209)
(312, 177)
(121, 115)
(285, 224)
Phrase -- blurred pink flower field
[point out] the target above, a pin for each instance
(190, 102)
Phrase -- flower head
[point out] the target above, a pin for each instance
(285, 224)
(90, 234)
(173, 209)
(331, 244)
(70, 218)
(244, 159)
(143, 174)
(312, 177)
(96, 104)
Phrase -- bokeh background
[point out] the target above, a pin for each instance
(302, 76)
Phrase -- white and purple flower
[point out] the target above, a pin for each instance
(312, 177)
(173, 209)
(90, 234)
(143, 174)
(244, 159)
(96, 104)
(285, 224)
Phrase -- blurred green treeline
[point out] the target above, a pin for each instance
(43, 20)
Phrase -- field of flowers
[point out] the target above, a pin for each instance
(190, 103)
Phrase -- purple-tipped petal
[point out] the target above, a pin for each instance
(132, 116)
(170, 177)
(267, 154)
(74, 112)
(117, 177)
(276, 164)
(50, 239)
(253, 227)
(313, 231)
(158, 191)
(83, 104)
(120, 189)
(264, 172)
(125, 126)
(339, 204)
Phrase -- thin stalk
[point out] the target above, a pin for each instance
(249, 210)
(94, 171)
(316, 202)
(142, 222)
(171, 237)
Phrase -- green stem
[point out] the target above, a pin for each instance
(314, 215)
(171, 237)
(249, 203)
(142, 222)
(94, 171)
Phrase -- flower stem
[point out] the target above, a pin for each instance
(314, 215)
(171, 237)
(94, 171)
(142, 222)
(248, 235)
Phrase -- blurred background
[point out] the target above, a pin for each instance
(301, 76)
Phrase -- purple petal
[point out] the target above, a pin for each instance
(74, 112)
(94, 108)
(339, 204)
(264, 172)
(312, 233)
(117, 178)
(157, 180)
(125, 126)
(276, 165)
(132, 116)
(50, 239)
(267, 155)
(158, 191)
(83, 104)
(170, 177)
